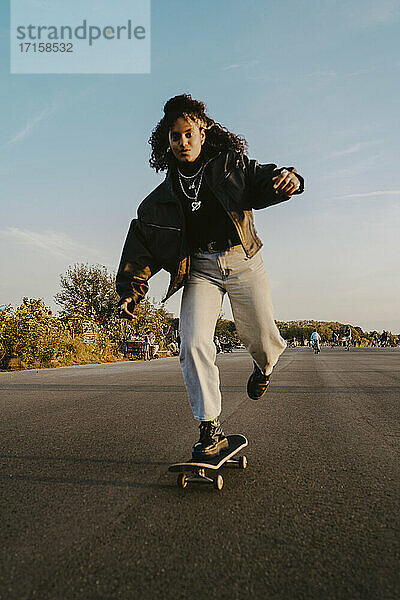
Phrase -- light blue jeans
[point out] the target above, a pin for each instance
(246, 283)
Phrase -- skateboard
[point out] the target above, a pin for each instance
(207, 470)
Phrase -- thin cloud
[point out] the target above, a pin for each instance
(322, 74)
(332, 74)
(249, 63)
(368, 194)
(54, 243)
(360, 72)
(352, 168)
(31, 125)
(353, 149)
(59, 102)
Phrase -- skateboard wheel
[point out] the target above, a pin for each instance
(243, 462)
(182, 481)
(219, 482)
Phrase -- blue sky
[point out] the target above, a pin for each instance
(310, 84)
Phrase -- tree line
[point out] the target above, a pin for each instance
(88, 329)
(301, 331)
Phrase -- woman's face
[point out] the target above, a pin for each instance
(186, 139)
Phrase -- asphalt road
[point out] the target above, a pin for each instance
(89, 511)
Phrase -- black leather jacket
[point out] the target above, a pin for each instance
(156, 239)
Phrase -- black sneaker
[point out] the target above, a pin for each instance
(212, 440)
(257, 384)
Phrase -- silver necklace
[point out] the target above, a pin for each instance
(193, 185)
(190, 176)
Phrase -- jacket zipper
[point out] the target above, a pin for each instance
(228, 213)
(162, 226)
(183, 240)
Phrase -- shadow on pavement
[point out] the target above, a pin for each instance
(74, 459)
(128, 484)
(82, 481)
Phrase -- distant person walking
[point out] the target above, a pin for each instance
(335, 338)
(384, 338)
(347, 337)
(147, 346)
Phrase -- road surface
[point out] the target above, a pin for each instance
(89, 511)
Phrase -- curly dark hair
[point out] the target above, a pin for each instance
(217, 137)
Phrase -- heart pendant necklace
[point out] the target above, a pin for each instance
(194, 184)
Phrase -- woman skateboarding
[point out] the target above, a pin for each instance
(198, 225)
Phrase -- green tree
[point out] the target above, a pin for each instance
(88, 292)
(30, 332)
(153, 317)
(226, 329)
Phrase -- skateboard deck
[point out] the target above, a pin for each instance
(207, 470)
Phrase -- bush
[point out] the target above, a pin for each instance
(29, 332)
(32, 338)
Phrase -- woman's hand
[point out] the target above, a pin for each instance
(286, 183)
(123, 309)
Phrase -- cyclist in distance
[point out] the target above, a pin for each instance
(316, 341)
